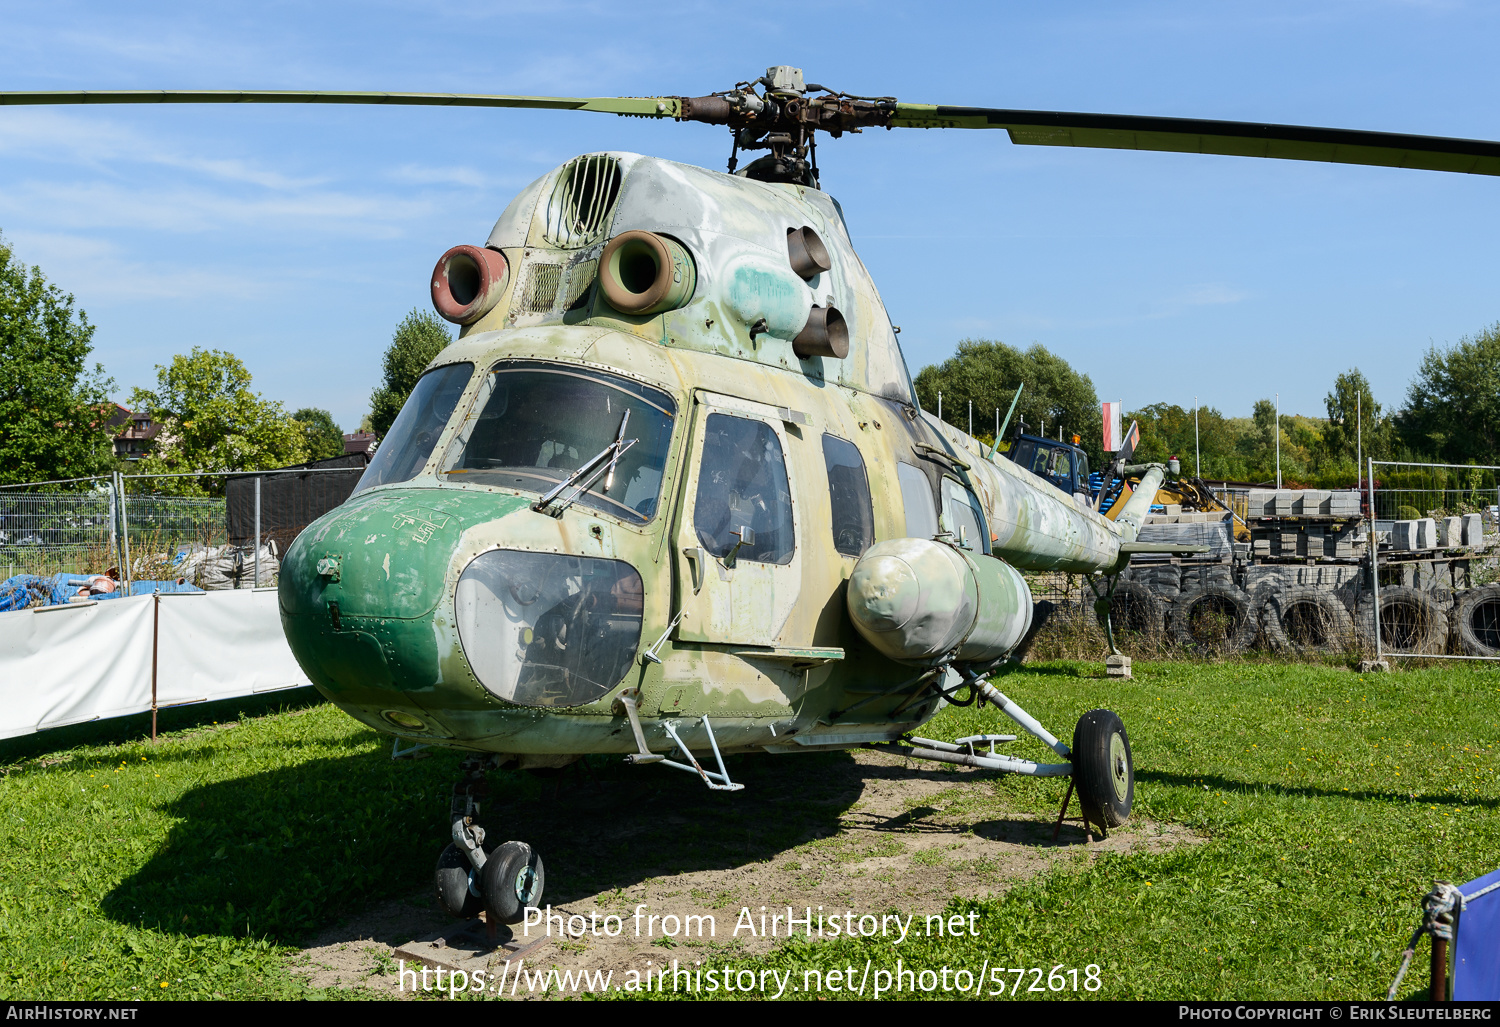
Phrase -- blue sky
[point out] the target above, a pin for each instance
(297, 238)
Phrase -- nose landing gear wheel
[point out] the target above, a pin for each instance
(453, 889)
(1102, 768)
(513, 879)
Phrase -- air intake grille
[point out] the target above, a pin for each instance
(585, 194)
(580, 277)
(541, 288)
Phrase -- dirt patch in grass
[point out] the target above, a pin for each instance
(860, 833)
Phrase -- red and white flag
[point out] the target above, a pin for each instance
(1112, 438)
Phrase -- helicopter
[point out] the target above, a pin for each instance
(671, 496)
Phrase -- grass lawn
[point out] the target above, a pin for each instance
(1329, 801)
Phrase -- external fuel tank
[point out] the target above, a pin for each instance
(918, 600)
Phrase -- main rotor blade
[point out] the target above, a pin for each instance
(646, 107)
(1230, 138)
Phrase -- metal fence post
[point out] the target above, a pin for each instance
(1374, 563)
(125, 571)
(114, 535)
(155, 631)
(256, 578)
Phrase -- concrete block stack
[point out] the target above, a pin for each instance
(1404, 536)
(1314, 545)
(1450, 532)
(1473, 530)
(1342, 545)
(1313, 502)
(1314, 538)
(1427, 533)
(1343, 503)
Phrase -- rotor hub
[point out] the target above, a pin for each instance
(775, 113)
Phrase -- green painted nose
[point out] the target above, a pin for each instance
(360, 588)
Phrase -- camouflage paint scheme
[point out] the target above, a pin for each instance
(769, 654)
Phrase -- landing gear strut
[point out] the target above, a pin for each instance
(1099, 761)
(502, 882)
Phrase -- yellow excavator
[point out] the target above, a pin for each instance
(1190, 494)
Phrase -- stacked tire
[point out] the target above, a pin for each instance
(1305, 620)
(1135, 613)
(1476, 621)
(1163, 579)
(1411, 620)
(1216, 617)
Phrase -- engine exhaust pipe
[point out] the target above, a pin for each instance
(826, 334)
(808, 255)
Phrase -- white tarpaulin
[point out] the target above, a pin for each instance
(62, 665)
(217, 645)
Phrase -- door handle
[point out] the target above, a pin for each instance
(697, 560)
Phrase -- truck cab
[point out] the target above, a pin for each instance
(1060, 463)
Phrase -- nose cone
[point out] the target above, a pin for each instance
(360, 589)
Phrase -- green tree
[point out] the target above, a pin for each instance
(989, 372)
(1167, 431)
(1356, 423)
(1300, 437)
(1453, 405)
(52, 404)
(324, 439)
(211, 421)
(419, 337)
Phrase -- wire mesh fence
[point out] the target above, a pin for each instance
(1304, 573)
(1406, 491)
(1430, 606)
(46, 533)
(132, 528)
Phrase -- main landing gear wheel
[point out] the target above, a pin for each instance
(1102, 768)
(513, 879)
(452, 879)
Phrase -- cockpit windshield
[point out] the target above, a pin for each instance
(532, 425)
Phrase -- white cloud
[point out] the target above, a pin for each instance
(414, 174)
(102, 145)
(1160, 308)
(96, 269)
(1204, 295)
(93, 205)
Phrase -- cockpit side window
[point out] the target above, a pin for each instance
(848, 497)
(405, 449)
(962, 517)
(742, 483)
(916, 497)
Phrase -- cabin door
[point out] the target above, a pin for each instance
(738, 564)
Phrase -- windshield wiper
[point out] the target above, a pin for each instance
(611, 452)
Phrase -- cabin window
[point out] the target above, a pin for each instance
(533, 425)
(405, 449)
(848, 497)
(742, 483)
(961, 515)
(916, 497)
